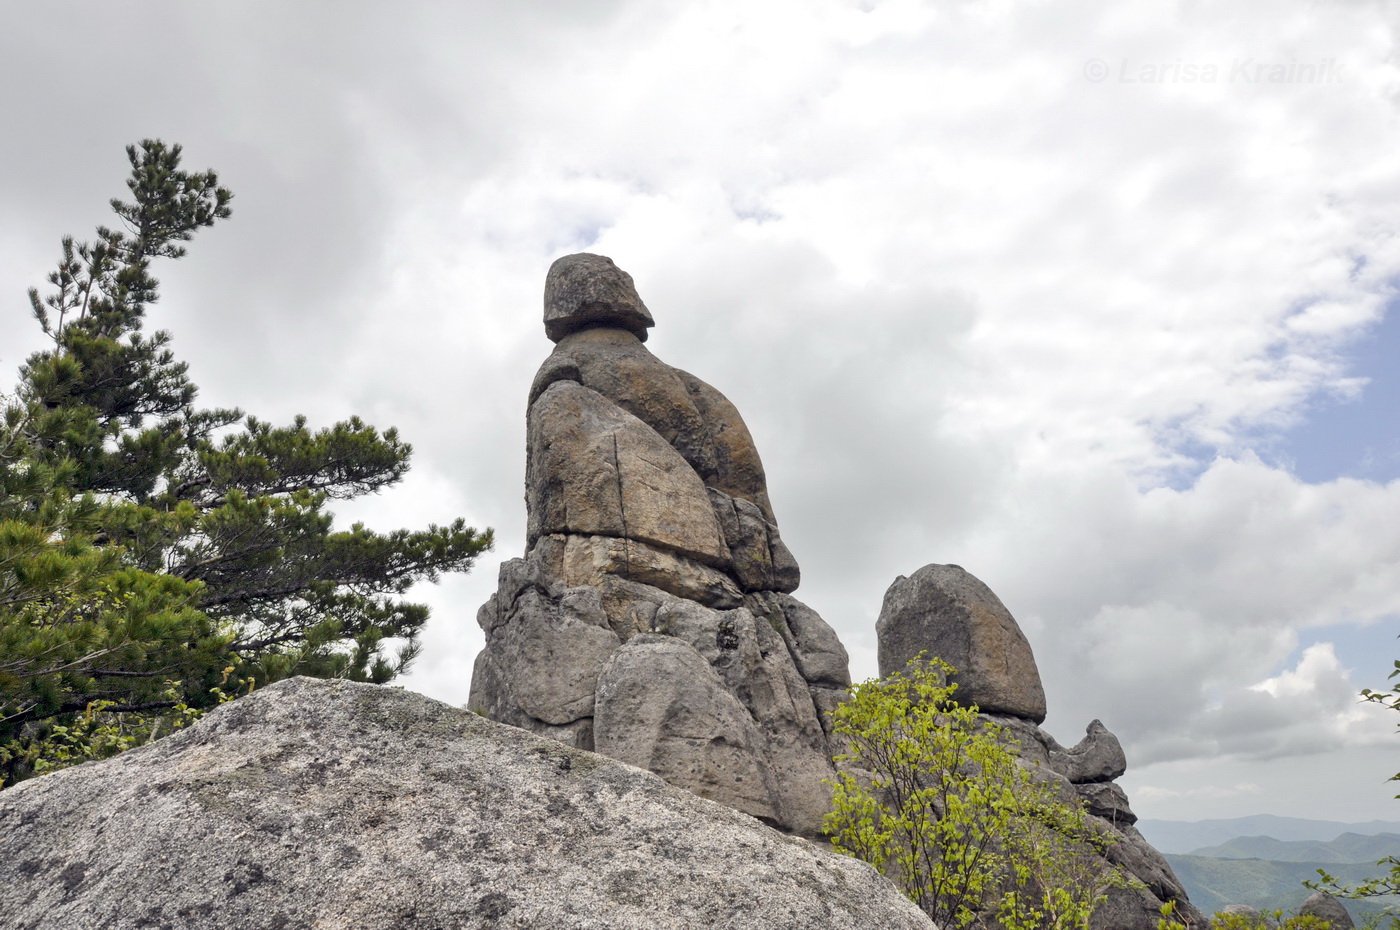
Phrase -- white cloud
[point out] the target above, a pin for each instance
(1201, 792)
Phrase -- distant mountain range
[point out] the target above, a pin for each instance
(1179, 836)
(1213, 883)
(1349, 847)
(1263, 860)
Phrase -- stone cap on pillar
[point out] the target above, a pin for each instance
(583, 290)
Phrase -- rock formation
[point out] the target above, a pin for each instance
(651, 619)
(1323, 906)
(353, 807)
(652, 616)
(947, 612)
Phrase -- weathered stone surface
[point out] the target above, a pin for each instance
(747, 540)
(715, 443)
(738, 471)
(1107, 800)
(346, 806)
(594, 469)
(1134, 853)
(945, 610)
(1097, 757)
(644, 487)
(786, 574)
(1131, 909)
(526, 676)
(761, 560)
(1033, 744)
(826, 701)
(1323, 906)
(491, 697)
(551, 656)
(631, 606)
(662, 707)
(815, 648)
(589, 559)
(1243, 910)
(583, 290)
(755, 666)
(513, 578)
(614, 363)
(545, 645)
(1084, 775)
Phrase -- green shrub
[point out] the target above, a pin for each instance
(933, 795)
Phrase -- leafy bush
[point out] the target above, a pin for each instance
(102, 730)
(934, 796)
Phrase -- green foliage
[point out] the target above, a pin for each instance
(930, 794)
(146, 544)
(1274, 920)
(79, 626)
(100, 731)
(1388, 882)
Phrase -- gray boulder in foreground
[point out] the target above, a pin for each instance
(339, 805)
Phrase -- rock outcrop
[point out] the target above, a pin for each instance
(652, 616)
(947, 612)
(353, 807)
(1323, 906)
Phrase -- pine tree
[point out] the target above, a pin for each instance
(149, 548)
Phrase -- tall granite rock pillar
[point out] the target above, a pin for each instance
(652, 617)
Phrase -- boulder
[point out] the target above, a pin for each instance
(614, 363)
(630, 605)
(1143, 862)
(813, 644)
(1098, 757)
(761, 561)
(755, 666)
(1032, 744)
(1108, 801)
(1134, 909)
(944, 610)
(663, 708)
(546, 649)
(715, 443)
(1323, 906)
(584, 290)
(594, 469)
(491, 697)
(347, 806)
(738, 471)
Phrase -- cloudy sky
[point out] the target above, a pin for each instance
(1097, 300)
